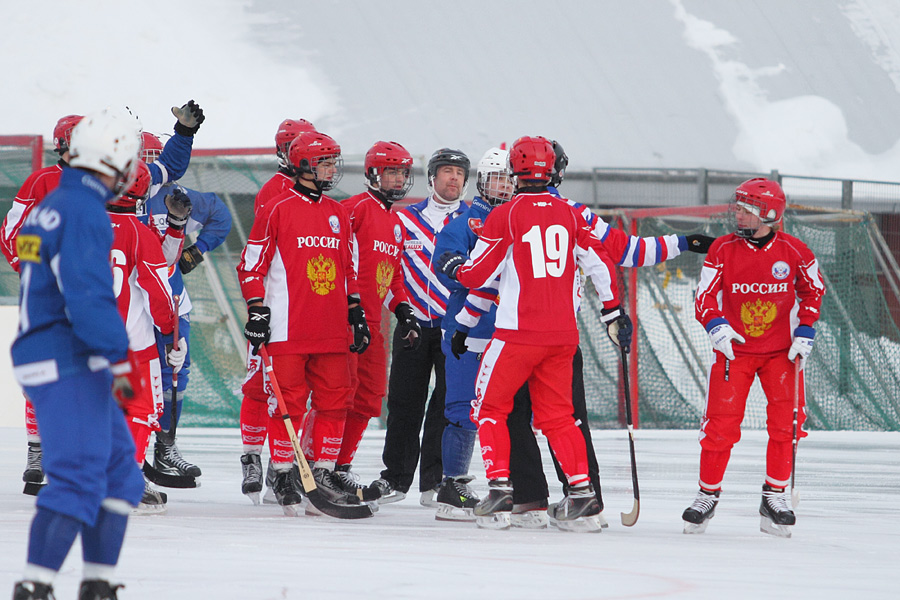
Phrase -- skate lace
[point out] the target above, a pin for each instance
(703, 503)
(33, 462)
(777, 501)
(253, 472)
(348, 479)
(174, 458)
(463, 489)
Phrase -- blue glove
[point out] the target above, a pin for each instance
(618, 327)
(448, 262)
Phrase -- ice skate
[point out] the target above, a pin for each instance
(98, 589)
(167, 459)
(269, 497)
(428, 497)
(326, 481)
(287, 492)
(494, 512)
(456, 499)
(251, 486)
(579, 511)
(697, 515)
(388, 493)
(530, 515)
(349, 482)
(153, 502)
(33, 476)
(32, 590)
(776, 516)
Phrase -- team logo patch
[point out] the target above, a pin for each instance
(781, 270)
(476, 225)
(321, 272)
(334, 223)
(398, 233)
(758, 316)
(28, 248)
(413, 245)
(384, 274)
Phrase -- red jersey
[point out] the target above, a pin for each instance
(141, 284)
(763, 293)
(36, 187)
(377, 246)
(298, 258)
(535, 243)
(272, 188)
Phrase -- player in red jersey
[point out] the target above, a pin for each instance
(535, 244)
(761, 288)
(254, 416)
(296, 274)
(144, 298)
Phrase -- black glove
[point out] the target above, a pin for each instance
(189, 118)
(699, 243)
(458, 342)
(408, 326)
(618, 327)
(178, 203)
(449, 262)
(257, 329)
(361, 336)
(190, 258)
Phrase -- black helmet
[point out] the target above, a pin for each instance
(559, 166)
(448, 156)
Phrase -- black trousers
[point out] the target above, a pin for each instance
(407, 406)
(526, 469)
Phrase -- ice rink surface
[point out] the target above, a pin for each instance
(214, 544)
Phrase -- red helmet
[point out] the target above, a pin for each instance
(388, 155)
(151, 147)
(62, 133)
(308, 149)
(532, 159)
(763, 197)
(139, 191)
(287, 131)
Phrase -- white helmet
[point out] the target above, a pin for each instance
(493, 180)
(107, 142)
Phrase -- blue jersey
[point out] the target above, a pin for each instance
(68, 319)
(173, 161)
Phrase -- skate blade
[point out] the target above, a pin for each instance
(269, 497)
(254, 497)
(446, 512)
(149, 509)
(292, 510)
(589, 524)
(691, 528)
(390, 498)
(373, 505)
(32, 489)
(498, 520)
(767, 526)
(532, 519)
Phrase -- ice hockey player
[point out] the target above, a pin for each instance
(254, 417)
(377, 246)
(535, 244)
(141, 286)
(299, 256)
(765, 284)
(411, 369)
(71, 357)
(467, 328)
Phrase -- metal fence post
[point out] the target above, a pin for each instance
(847, 194)
(703, 186)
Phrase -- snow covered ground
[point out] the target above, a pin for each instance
(214, 544)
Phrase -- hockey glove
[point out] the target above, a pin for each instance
(699, 243)
(257, 329)
(449, 262)
(190, 258)
(175, 358)
(618, 327)
(802, 344)
(458, 341)
(127, 383)
(178, 203)
(189, 116)
(408, 326)
(721, 334)
(361, 336)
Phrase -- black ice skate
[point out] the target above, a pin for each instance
(494, 511)
(388, 493)
(168, 459)
(349, 483)
(32, 590)
(153, 502)
(330, 489)
(456, 499)
(98, 589)
(697, 515)
(34, 471)
(287, 492)
(776, 516)
(530, 515)
(251, 486)
(579, 511)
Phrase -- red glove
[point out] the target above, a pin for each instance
(127, 382)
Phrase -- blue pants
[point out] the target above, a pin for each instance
(88, 451)
(184, 331)
(460, 375)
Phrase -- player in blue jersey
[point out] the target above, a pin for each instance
(71, 357)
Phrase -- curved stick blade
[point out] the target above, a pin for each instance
(629, 519)
(338, 511)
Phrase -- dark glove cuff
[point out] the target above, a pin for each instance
(186, 131)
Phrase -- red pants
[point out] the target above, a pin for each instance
(505, 367)
(142, 412)
(254, 406)
(725, 404)
(327, 377)
(369, 378)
